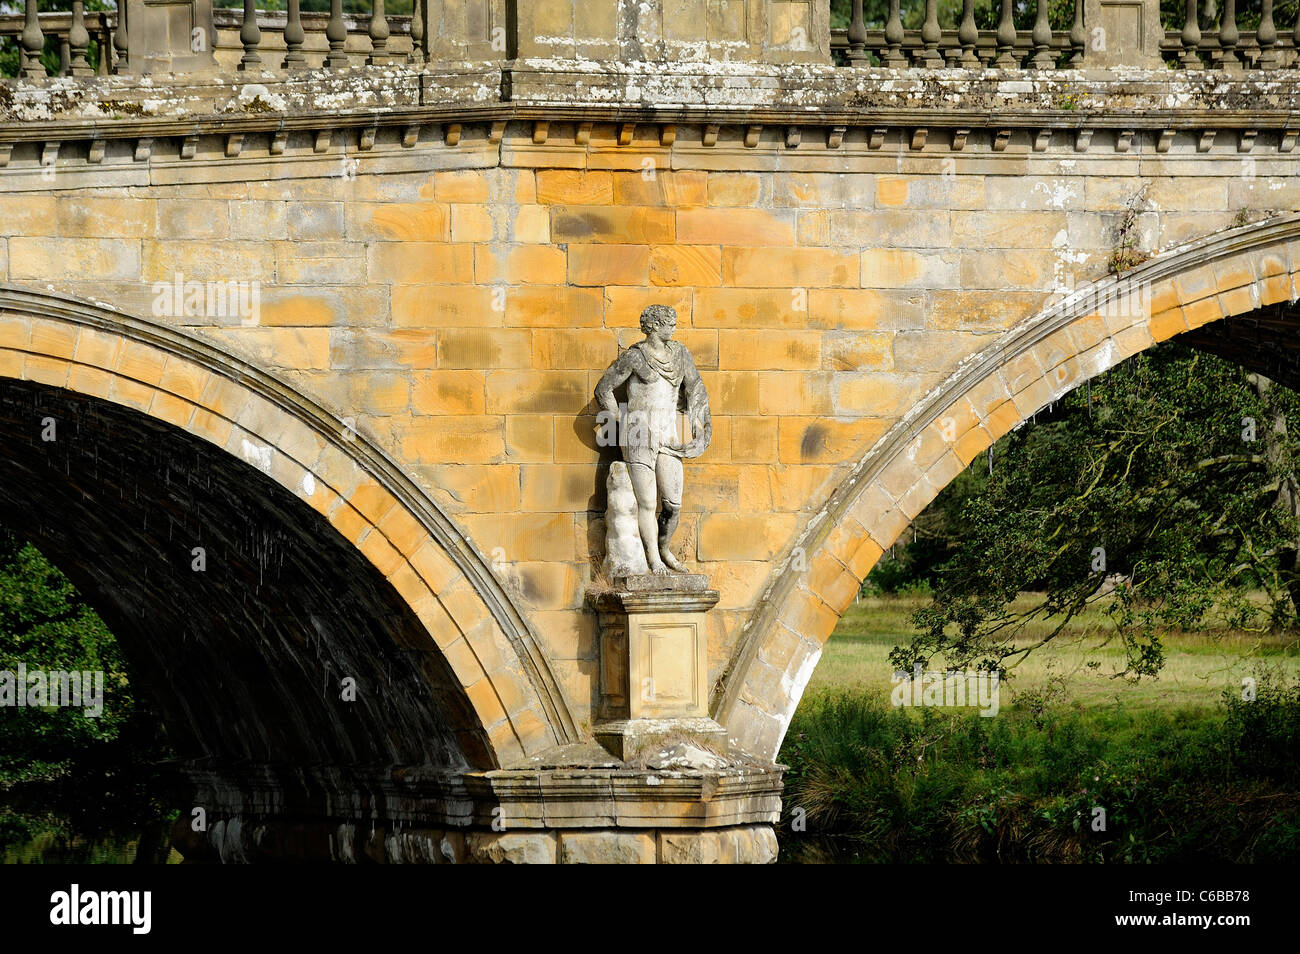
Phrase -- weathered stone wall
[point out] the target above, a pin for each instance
(459, 297)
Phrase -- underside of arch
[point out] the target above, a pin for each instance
(1264, 341)
(1232, 294)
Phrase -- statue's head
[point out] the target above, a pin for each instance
(661, 319)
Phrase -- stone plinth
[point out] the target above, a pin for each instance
(774, 31)
(654, 673)
(1122, 33)
(170, 36)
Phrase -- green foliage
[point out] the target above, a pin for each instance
(1136, 494)
(64, 775)
(46, 624)
(1264, 732)
(1125, 254)
(928, 786)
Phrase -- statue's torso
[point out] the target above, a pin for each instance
(652, 396)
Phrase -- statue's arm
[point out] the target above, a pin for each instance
(690, 374)
(616, 374)
(697, 409)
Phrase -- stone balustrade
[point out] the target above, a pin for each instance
(1194, 43)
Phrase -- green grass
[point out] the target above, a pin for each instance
(1185, 770)
(1198, 669)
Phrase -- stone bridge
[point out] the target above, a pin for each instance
(297, 370)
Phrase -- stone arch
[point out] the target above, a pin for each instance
(98, 354)
(1234, 273)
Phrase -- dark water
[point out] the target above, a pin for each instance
(57, 844)
(124, 818)
(804, 849)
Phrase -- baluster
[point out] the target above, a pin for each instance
(378, 34)
(417, 32)
(293, 38)
(1006, 40)
(931, 35)
(79, 41)
(337, 34)
(1189, 58)
(894, 38)
(1209, 33)
(968, 35)
(1229, 37)
(65, 56)
(251, 36)
(1266, 37)
(1295, 43)
(1079, 37)
(857, 36)
(120, 41)
(104, 60)
(1044, 58)
(33, 42)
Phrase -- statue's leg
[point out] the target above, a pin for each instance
(643, 485)
(669, 470)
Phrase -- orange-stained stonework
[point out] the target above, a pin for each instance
(458, 309)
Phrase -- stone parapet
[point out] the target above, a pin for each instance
(724, 94)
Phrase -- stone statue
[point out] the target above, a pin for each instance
(662, 383)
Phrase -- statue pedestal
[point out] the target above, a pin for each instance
(653, 664)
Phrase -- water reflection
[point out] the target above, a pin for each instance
(805, 849)
(59, 845)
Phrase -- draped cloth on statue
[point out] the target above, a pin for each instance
(655, 398)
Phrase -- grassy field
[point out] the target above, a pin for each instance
(1198, 668)
(1184, 769)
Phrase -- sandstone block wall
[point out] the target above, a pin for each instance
(459, 303)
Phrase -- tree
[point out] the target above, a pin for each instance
(1163, 493)
(45, 624)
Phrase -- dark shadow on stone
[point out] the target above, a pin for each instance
(247, 658)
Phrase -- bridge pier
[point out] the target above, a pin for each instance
(576, 806)
(273, 840)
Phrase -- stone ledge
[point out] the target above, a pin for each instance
(126, 106)
(252, 840)
(575, 796)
